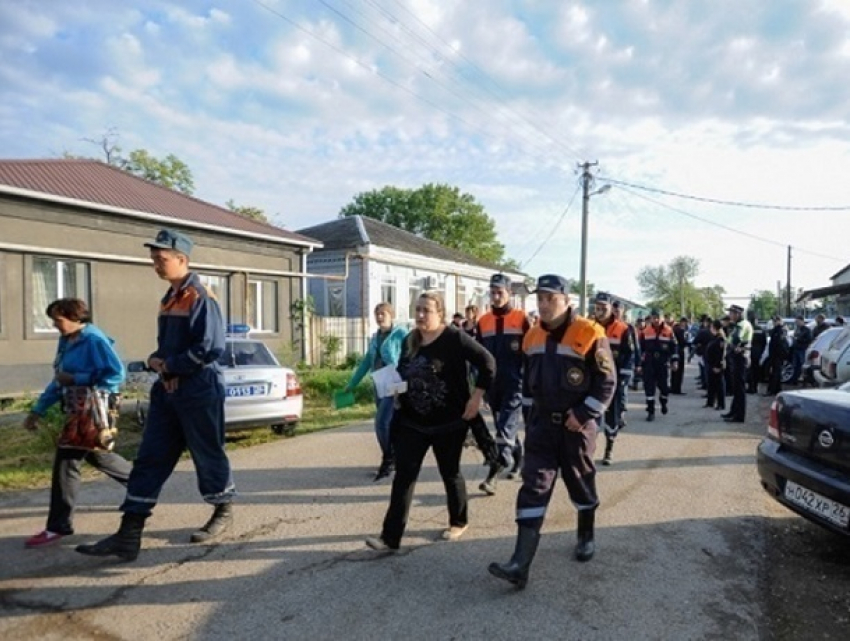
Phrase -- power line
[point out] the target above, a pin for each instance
(740, 232)
(731, 203)
(554, 229)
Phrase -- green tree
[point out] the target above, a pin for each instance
(438, 212)
(764, 303)
(672, 288)
(169, 172)
(254, 213)
(575, 288)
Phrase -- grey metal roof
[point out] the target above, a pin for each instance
(353, 231)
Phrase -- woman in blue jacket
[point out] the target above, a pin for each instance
(384, 349)
(85, 358)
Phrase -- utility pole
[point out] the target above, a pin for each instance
(788, 286)
(586, 183)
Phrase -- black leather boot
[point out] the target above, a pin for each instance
(125, 543)
(387, 467)
(650, 410)
(585, 546)
(663, 405)
(516, 570)
(220, 520)
(609, 447)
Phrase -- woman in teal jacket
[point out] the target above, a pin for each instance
(384, 349)
(85, 357)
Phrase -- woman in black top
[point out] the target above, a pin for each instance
(433, 413)
(715, 363)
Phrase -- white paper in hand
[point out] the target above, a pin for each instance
(388, 382)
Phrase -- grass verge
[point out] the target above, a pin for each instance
(26, 458)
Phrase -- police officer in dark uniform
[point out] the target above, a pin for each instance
(757, 347)
(739, 346)
(680, 331)
(568, 382)
(501, 331)
(186, 406)
(777, 354)
(659, 353)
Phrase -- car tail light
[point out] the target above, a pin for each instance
(293, 387)
(813, 354)
(773, 421)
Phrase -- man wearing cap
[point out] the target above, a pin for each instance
(622, 343)
(659, 353)
(568, 382)
(186, 405)
(739, 360)
(802, 340)
(501, 330)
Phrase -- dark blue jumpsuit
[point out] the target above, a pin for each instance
(567, 369)
(190, 339)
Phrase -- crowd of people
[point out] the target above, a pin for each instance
(557, 377)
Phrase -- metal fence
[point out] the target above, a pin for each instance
(332, 339)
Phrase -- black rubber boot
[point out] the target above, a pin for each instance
(516, 570)
(585, 546)
(609, 447)
(488, 485)
(663, 405)
(220, 520)
(650, 410)
(125, 543)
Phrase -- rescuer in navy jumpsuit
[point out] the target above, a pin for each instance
(186, 405)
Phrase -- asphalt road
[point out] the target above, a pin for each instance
(682, 550)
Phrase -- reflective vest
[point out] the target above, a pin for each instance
(502, 335)
(658, 345)
(618, 339)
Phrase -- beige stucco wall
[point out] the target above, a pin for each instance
(125, 291)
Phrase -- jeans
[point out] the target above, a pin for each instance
(174, 424)
(410, 447)
(383, 418)
(798, 357)
(66, 482)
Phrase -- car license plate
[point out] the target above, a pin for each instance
(258, 389)
(832, 511)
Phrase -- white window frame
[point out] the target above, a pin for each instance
(257, 323)
(223, 295)
(39, 306)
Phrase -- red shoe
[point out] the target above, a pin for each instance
(43, 539)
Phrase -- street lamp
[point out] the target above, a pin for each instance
(587, 179)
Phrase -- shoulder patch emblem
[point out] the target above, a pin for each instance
(603, 361)
(575, 376)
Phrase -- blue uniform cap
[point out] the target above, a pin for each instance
(736, 308)
(552, 283)
(500, 280)
(170, 239)
(603, 297)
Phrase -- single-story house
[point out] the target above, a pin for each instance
(840, 288)
(77, 228)
(382, 263)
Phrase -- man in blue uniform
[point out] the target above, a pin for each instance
(659, 353)
(501, 331)
(186, 405)
(568, 381)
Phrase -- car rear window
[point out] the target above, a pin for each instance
(246, 354)
(842, 340)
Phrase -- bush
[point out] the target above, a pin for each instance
(322, 383)
(351, 360)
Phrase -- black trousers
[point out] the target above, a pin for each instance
(716, 389)
(774, 383)
(738, 409)
(66, 482)
(677, 376)
(410, 447)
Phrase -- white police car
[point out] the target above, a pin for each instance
(260, 391)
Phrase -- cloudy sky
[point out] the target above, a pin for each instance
(295, 106)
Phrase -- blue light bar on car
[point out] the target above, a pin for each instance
(240, 329)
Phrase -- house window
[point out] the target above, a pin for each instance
(336, 299)
(388, 294)
(262, 305)
(415, 291)
(54, 278)
(219, 286)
